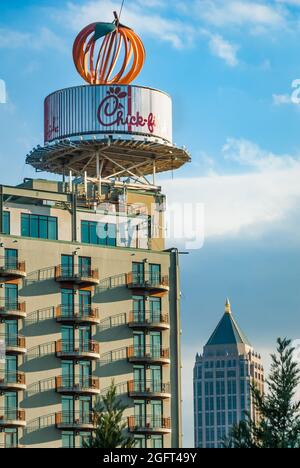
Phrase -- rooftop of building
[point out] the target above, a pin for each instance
(228, 331)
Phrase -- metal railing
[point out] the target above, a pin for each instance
(76, 312)
(77, 382)
(76, 347)
(12, 264)
(14, 341)
(148, 386)
(76, 272)
(147, 279)
(13, 414)
(148, 423)
(148, 316)
(74, 418)
(148, 352)
(12, 306)
(13, 378)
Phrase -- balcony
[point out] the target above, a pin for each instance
(149, 320)
(77, 275)
(77, 350)
(142, 425)
(13, 381)
(12, 418)
(15, 344)
(12, 310)
(11, 269)
(77, 314)
(153, 283)
(77, 386)
(149, 389)
(76, 421)
(148, 355)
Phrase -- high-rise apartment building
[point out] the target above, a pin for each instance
(223, 375)
(88, 292)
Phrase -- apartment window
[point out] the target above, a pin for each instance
(6, 222)
(68, 440)
(11, 438)
(39, 226)
(11, 259)
(98, 233)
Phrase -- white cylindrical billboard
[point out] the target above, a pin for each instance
(127, 111)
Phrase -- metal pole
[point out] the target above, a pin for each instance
(85, 182)
(70, 181)
(154, 172)
(98, 174)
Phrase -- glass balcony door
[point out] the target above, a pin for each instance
(67, 372)
(10, 405)
(67, 266)
(139, 344)
(67, 303)
(11, 296)
(138, 273)
(84, 338)
(156, 413)
(85, 298)
(85, 404)
(11, 333)
(85, 267)
(67, 334)
(155, 309)
(140, 413)
(10, 438)
(156, 378)
(154, 273)
(139, 379)
(84, 374)
(67, 404)
(11, 369)
(155, 344)
(11, 259)
(139, 309)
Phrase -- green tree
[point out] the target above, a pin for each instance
(110, 432)
(279, 424)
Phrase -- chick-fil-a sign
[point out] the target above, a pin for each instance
(116, 110)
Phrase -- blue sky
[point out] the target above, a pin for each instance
(229, 66)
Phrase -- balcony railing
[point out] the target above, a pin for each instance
(11, 379)
(148, 353)
(77, 313)
(8, 308)
(10, 415)
(77, 273)
(77, 384)
(14, 342)
(148, 387)
(74, 419)
(151, 424)
(150, 318)
(147, 280)
(12, 267)
(76, 347)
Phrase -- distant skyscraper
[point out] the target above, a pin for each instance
(222, 379)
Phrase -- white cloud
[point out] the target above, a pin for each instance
(39, 40)
(262, 199)
(138, 15)
(224, 49)
(281, 99)
(240, 13)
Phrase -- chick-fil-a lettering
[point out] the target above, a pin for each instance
(111, 108)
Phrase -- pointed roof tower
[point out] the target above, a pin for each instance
(227, 331)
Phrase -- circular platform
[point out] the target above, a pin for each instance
(127, 128)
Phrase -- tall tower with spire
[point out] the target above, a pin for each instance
(223, 375)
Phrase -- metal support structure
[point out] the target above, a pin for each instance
(154, 172)
(70, 181)
(85, 183)
(74, 217)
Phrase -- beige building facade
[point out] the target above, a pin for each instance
(88, 295)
